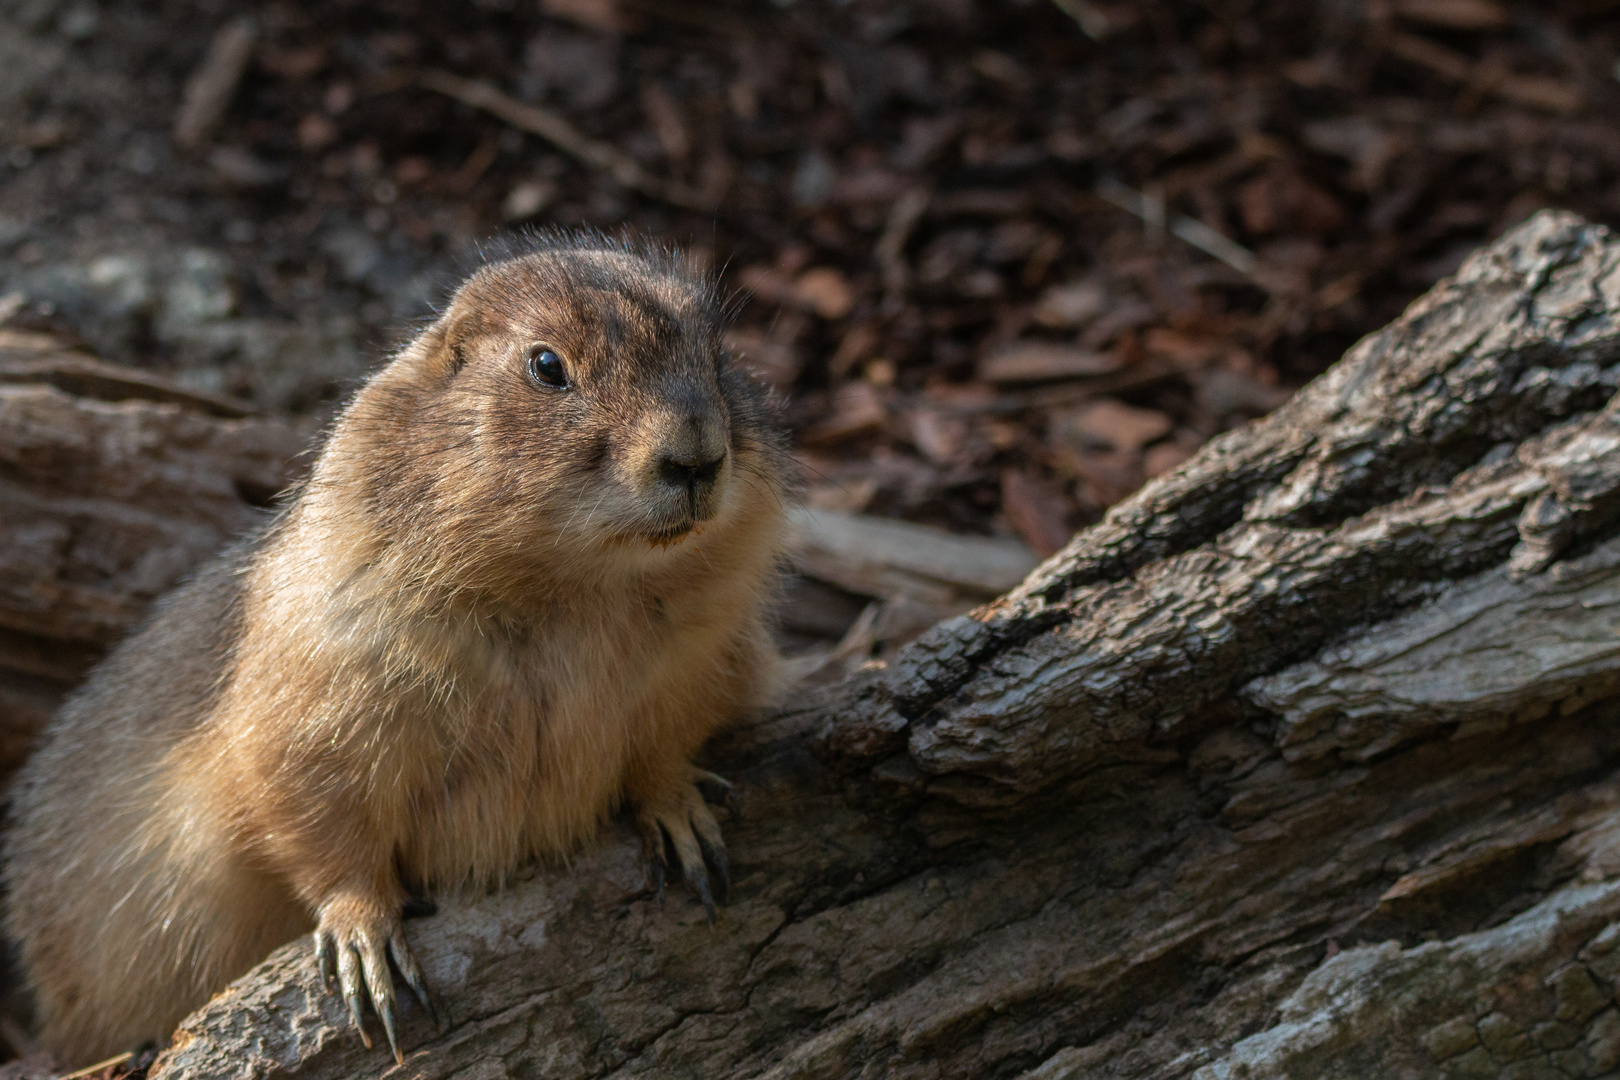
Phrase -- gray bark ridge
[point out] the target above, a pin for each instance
(1387, 478)
(1302, 762)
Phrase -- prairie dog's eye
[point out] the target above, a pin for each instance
(546, 368)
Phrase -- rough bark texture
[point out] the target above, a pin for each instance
(1302, 763)
(113, 485)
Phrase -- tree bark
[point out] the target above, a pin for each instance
(1301, 763)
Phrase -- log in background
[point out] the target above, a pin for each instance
(1301, 763)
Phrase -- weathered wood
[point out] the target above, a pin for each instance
(114, 483)
(1304, 762)
(883, 557)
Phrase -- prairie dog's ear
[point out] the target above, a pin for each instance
(438, 352)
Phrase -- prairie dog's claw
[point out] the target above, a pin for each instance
(325, 962)
(715, 856)
(411, 971)
(349, 978)
(358, 941)
(712, 786)
(682, 823)
(697, 879)
(656, 865)
(380, 985)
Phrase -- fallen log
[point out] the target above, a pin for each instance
(114, 483)
(1303, 762)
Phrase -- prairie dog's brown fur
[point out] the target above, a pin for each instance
(497, 608)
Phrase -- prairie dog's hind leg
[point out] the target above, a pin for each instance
(673, 819)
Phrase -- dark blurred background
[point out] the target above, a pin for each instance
(1005, 259)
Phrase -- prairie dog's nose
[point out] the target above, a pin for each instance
(686, 472)
(691, 453)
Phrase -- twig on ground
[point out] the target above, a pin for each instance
(1194, 232)
(208, 91)
(890, 250)
(1092, 20)
(557, 130)
(1535, 91)
(100, 1066)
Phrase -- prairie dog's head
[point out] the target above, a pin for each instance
(572, 400)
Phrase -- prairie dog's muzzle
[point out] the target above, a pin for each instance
(684, 456)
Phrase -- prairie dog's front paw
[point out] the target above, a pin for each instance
(679, 821)
(353, 940)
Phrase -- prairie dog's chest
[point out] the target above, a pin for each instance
(596, 660)
(537, 736)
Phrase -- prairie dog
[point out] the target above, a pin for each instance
(526, 578)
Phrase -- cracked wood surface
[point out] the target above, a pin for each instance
(1303, 762)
